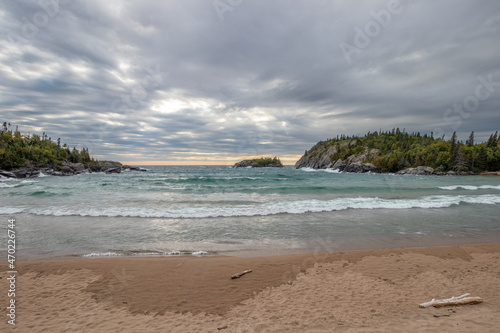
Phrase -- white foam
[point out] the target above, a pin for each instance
(200, 253)
(102, 254)
(173, 253)
(28, 181)
(4, 185)
(11, 210)
(307, 169)
(147, 254)
(470, 187)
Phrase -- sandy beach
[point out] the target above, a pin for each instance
(354, 291)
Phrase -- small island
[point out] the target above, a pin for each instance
(263, 162)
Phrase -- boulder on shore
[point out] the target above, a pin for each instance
(418, 171)
(361, 168)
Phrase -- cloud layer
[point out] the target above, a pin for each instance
(219, 80)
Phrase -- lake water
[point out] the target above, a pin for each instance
(244, 211)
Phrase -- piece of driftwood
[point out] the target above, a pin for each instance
(238, 275)
(459, 300)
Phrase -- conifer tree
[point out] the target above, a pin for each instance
(453, 150)
(470, 142)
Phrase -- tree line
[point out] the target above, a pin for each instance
(20, 150)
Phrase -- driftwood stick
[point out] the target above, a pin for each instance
(238, 275)
(460, 300)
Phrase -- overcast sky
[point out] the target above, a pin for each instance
(214, 81)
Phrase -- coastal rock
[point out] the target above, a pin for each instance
(339, 165)
(75, 167)
(114, 170)
(134, 168)
(66, 169)
(26, 173)
(7, 174)
(489, 174)
(322, 158)
(418, 171)
(108, 165)
(245, 164)
(69, 169)
(361, 168)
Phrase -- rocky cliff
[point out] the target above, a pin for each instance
(322, 157)
(350, 156)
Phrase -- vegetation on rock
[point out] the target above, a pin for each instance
(31, 150)
(262, 162)
(396, 150)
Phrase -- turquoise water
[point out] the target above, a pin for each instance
(218, 209)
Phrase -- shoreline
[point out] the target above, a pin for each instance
(262, 253)
(359, 290)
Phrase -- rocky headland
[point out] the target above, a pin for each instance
(31, 155)
(69, 169)
(404, 154)
(359, 163)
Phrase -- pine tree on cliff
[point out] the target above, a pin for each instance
(453, 150)
(470, 142)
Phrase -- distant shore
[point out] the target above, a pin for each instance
(321, 292)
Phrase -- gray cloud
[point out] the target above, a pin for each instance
(154, 80)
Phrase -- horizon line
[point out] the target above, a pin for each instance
(185, 163)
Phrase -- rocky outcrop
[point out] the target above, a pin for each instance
(21, 173)
(69, 169)
(322, 158)
(245, 164)
(361, 168)
(418, 171)
(425, 171)
(114, 170)
(318, 159)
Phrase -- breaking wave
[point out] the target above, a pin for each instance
(286, 207)
(470, 187)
